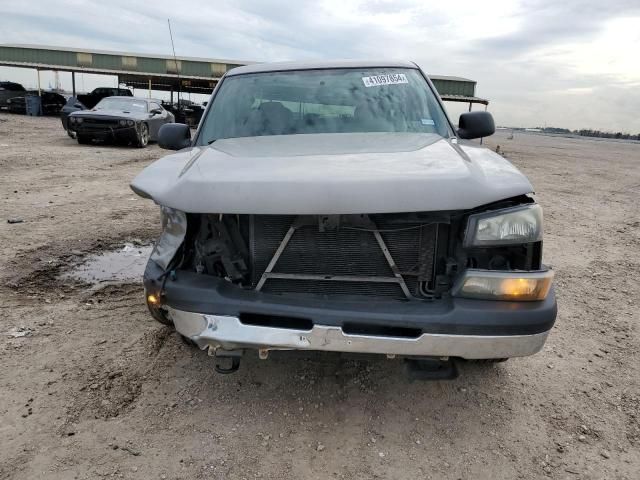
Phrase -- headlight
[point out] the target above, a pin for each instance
(78, 120)
(130, 123)
(499, 285)
(122, 123)
(505, 227)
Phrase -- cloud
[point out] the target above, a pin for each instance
(530, 58)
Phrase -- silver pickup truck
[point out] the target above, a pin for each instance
(334, 206)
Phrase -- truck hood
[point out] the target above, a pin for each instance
(343, 173)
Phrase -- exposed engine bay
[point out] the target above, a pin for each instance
(405, 256)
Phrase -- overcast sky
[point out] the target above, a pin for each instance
(560, 63)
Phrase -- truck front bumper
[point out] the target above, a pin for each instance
(216, 314)
(229, 333)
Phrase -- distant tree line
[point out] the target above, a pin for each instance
(587, 132)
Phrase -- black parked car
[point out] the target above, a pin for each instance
(127, 119)
(72, 105)
(9, 90)
(52, 103)
(186, 111)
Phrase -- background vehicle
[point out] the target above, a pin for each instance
(52, 103)
(72, 105)
(128, 119)
(88, 101)
(9, 90)
(185, 111)
(333, 206)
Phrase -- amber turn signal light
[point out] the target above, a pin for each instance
(499, 285)
(153, 299)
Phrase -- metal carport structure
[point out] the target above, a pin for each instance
(153, 72)
(166, 73)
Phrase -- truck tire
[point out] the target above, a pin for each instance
(83, 139)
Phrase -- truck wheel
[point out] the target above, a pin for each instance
(143, 135)
(71, 134)
(83, 139)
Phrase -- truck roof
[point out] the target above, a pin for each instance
(318, 65)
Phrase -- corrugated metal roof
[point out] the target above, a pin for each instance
(107, 71)
(125, 54)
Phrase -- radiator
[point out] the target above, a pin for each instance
(342, 255)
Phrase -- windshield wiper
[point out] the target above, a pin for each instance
(211, 141)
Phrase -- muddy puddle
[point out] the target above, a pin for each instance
(125, 264)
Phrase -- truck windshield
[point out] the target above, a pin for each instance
(323, 101)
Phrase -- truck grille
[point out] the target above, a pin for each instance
(344, 258)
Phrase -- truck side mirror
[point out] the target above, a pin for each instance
(476, 125)
(174, 136)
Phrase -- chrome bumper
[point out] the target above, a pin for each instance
(228, 333)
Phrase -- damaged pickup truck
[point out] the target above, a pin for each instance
(334, 206)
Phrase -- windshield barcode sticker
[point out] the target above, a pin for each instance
(388, 79)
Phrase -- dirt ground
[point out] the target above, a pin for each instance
(98, 389)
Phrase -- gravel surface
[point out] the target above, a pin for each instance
(91, 386)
